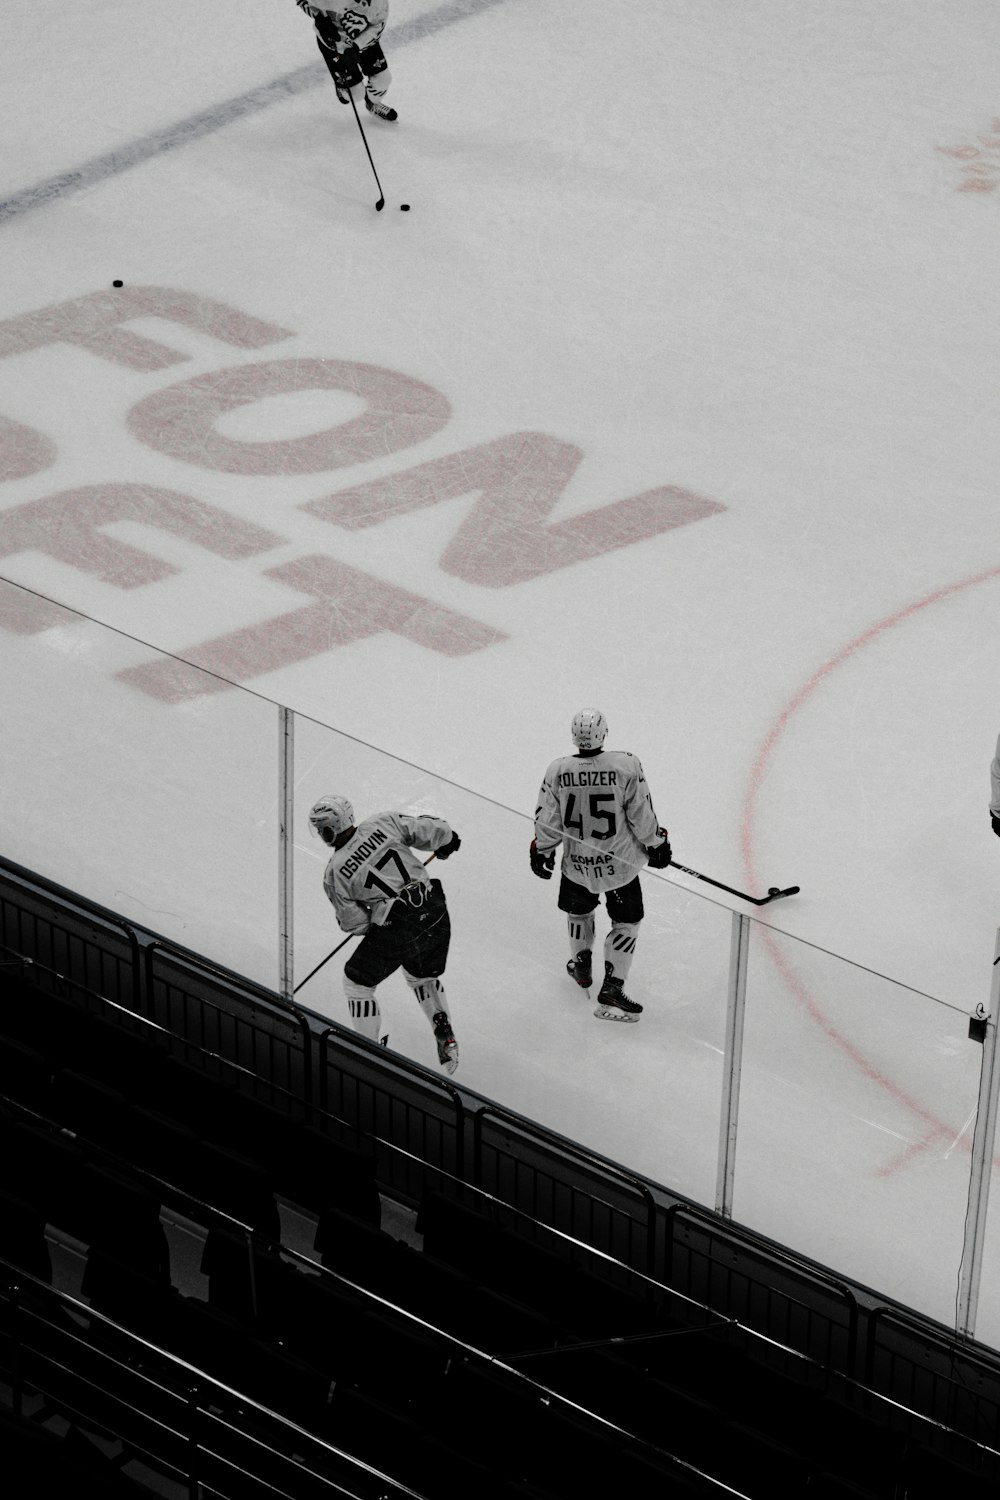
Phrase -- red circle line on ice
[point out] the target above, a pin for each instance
(935, 1129)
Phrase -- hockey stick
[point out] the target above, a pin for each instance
(773, 894)
(347, 939)
(323, 961)
(338, 43)
(381, 202)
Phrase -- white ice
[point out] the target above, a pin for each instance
(745, 252)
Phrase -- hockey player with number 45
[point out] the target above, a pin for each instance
(380, 889)
(348, 33)
(597, 805)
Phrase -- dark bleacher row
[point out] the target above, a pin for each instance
(38, 1464)
(358, 1373)
(352, 1371)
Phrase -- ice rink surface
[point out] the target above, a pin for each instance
(674, 393)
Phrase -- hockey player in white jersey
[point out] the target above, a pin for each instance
(995, 791)
(348, 33)
(380, 888)
(597, 805)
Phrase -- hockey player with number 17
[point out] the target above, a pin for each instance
(348, 33)
(381, 890)
(597, 805)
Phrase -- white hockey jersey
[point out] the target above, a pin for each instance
(364, 876)
(360, 21)
(599, 808)
(995, 783)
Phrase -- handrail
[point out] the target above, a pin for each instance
(462, 1349)
(16, 1277)
(255, 1241)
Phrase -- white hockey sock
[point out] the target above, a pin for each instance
(581, 934)
(619, 948)
(378, 86)
(430, 995)
(364, 1009)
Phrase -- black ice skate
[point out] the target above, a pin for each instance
(377, 107)
(579, 968)
(446, 1043)
(612, 1002)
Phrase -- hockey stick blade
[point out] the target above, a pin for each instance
(773, 893)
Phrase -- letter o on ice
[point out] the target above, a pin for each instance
(180, 420)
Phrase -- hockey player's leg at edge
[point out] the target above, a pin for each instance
(612, 1002)
(581, 943)
(363, 1006)
(619, 947)
(366, 1017)
(378, 79)
(431, 999)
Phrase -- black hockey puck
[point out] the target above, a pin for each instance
(404, 208)
(117, 283)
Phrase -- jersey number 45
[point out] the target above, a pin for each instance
(597, 816)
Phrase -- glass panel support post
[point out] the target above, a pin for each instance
(732, 1064)
(286, 811)
(982, 1028)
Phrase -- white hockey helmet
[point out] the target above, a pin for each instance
(589, 729)
(330, 817)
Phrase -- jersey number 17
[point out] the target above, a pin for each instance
(372, 881)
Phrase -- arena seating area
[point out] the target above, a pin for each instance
(464, 1358)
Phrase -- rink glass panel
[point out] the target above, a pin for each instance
(856, 1115)
(987, 1323)
(165, 812)
(645, 1095)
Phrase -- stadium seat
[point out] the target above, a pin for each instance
(89, 1108)
(242, 1276)
(284, 1383)
(22, 1237)
(159, 1145)
(119, 1210)
(237, 1186)
(25, 1075)
(44, 1168)
(320, 1173)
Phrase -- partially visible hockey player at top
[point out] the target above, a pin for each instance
(349, 33)
(596, 803)
(380, 888)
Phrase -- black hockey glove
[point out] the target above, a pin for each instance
(661, 856)
(542, 865)
(995, 821)
(451, 847)
(333, 39)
